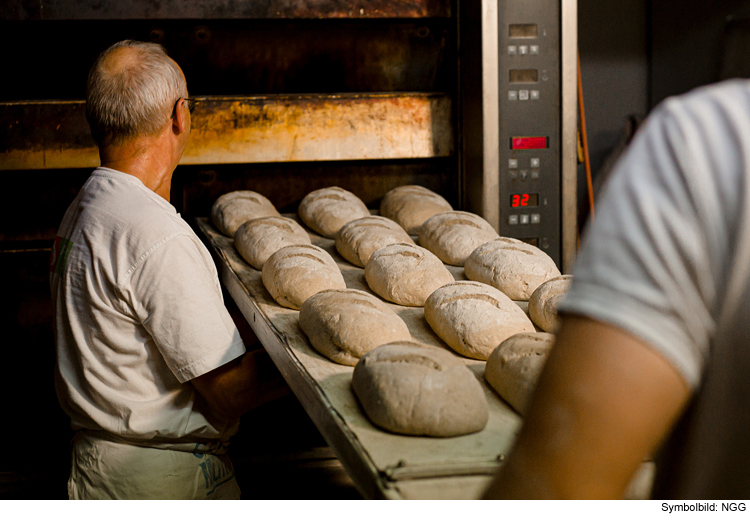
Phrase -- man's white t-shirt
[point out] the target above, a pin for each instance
(138, 314)
(667, 258)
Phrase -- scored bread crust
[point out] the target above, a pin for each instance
(416, 389)
(343, 325)
(544, 301)
(411, 205)
(294, 273)
(473, 318)
(514, 367)
(258, 239)
(452, 236)
(513, 267)
(358, 239)
(327, 210)
(405, 274)
(233, 209)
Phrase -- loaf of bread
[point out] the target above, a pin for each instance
(514, 367)
(411, 205)
(416, 389)
(513, 267)
(233, 209)
(343, 325)
(294, 273)
(452, 236)
(325, 211)
(405, 274)
(544, 301)
(258, 239)
(358, 239)
(473, 318)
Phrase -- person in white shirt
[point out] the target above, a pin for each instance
(653, 356)
(150, 366)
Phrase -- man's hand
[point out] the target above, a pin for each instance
(241, 385)
(604, 403)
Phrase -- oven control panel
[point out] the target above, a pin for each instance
(530, 117)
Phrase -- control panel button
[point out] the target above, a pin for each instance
(513, 220)
(523, 95)
(513, 175)
(513, 95)
(534, 95)
(524, 219)
(534, 49)
(524, 174)
(523, 50)
(534, 163)
(512, 50)
(535, 218)
(512, 163)
(535, 175)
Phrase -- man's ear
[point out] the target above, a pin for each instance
(180, 120)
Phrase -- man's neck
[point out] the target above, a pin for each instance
(143, 158)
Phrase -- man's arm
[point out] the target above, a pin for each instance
(241, 385)
(604, 403)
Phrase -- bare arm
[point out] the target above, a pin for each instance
(604, 402)
(241, 385)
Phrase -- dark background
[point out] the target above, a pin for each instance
(634, 54)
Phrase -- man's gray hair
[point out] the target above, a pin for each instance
(133, 99)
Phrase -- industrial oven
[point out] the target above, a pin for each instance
(472, 99)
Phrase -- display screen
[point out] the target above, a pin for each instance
(524, 200)
(528, 143)
(524, 76)
(523, 30)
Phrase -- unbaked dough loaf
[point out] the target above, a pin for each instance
(513, 267)
(405, 274)
(258, 239)
(325, 211)
(344, 325)
(454, 235)
(233, 209)
(358, 239)
(416, 389)
(544, 301)
(514, 367)
(411, 205)
(294, 273)
(473, 318)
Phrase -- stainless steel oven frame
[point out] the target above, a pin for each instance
(517, 119)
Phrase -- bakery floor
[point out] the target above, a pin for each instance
(279, 454)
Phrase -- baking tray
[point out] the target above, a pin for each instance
(381, 464)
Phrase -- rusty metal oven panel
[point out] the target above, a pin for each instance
(54, 135)
(220, 9)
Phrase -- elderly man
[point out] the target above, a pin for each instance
(653, 357)
(150, 366)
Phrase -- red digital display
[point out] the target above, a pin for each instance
(528, 143)
(524, 200)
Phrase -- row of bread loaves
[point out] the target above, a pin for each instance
(347, 341)
(345, 325)
(399, 275)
